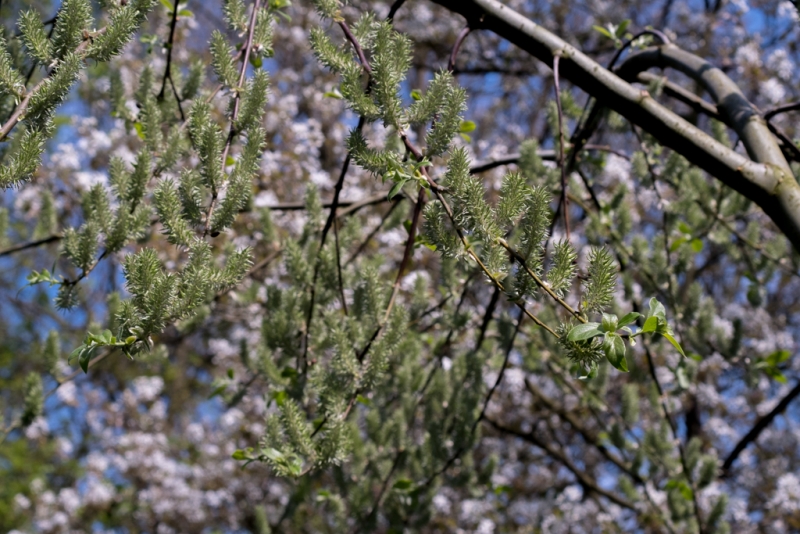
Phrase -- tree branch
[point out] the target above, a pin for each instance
(767, 184)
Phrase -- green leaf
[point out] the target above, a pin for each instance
(677, 243)
(603, 31)
(416, 95)
(609, 323)
(185, 13)
(139, 129)
(466, 127)
(242, 454)
(628, 318)
(674, 342)
(622, 27)
(363, 400)
(657, 309)
(584, 331)
(396, 189)
(280, 397)
(85, 357)
(697, 245)
(650, 325)
(168, 5)
(614, 347)
(684, 228)
(777, 357)
(402, 484)
(775, 374)
(333, 94)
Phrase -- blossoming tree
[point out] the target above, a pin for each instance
(399, 266)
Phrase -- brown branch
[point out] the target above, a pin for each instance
(564, 460)
(781, 109)
(31, 244)
(168, 67)
(769, 183)
(564, 202)
(451, 64)
(761, 424)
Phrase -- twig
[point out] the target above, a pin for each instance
(451, 64)
(668, 416)
(558, 455)
(167, 69)
(31, 244)
(564, 200)
(393, 10)
(761, 424)
(236, 102)
(781, 109)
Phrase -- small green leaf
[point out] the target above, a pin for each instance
(396, 189)
(677, 243)
(609, 323)
(139, 129)
(778, 357)
(229, 161)
(466, 137)
(657, 309)
(466, 127)
(168, 5)
(684, 228)
(584, 331)
(185, 13)
(280, 397)
(75, 354)
(363, 400)
(333, 94)
(603, 31)
(775, 374)
(416, 94)
(628, 318)
(242, 454)
(697, 245)
(650, 325)
(622, 27)
(85, 357)
(130, 340)
(614, 347)
(674, 342)
(402, 484)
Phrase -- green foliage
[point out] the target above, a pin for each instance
(74, 17)
(35, 37)
(11, 82)
(23, 158)
(125, 20)
(235, 14)
(34, 399)
(601, 281)
(222, 56)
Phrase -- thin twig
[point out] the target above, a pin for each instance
(564, 200)
(761, 424)
(236, 102)
(451, 64)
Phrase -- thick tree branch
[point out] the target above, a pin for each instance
(766, 183)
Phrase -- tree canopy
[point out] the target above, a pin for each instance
(409, 266)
